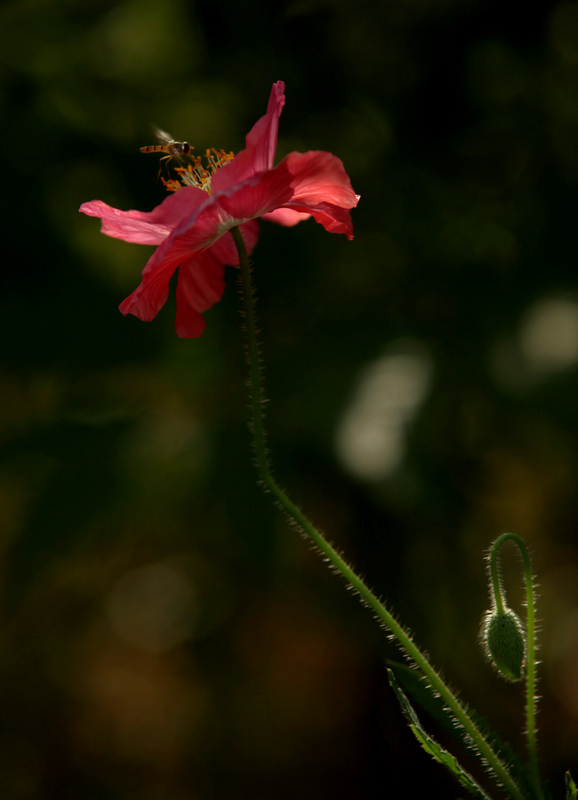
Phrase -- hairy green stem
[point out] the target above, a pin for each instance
(531, 643)
(386, 618)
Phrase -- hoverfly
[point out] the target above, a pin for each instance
(169, 146)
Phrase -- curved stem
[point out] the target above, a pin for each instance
(386, 618)
(531, 644)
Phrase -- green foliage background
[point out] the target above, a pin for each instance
(163, 633)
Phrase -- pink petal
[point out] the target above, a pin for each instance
(260, 145)
(259, 195)
(201, 281)
(286, 217)
(152, 292)
(200, 286)
(320, 177)
(185, 249)
(199, 231)
(225, 248)
(333, 218)
(307, 183)
(194, 234)
(321, 187)
(146, 227)
(189, 226)
(312, 183)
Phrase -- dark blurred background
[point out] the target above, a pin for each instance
(164, 634)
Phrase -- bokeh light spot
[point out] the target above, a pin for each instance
(549, 335)
(153, 607)
(371, 437)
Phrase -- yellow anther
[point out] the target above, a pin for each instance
(198, 174)
(171, 185)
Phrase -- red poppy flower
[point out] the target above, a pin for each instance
(188, 226)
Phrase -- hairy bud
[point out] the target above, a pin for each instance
(504, 640)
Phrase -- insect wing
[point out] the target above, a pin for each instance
(163, 136)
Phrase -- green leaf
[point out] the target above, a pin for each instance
(571, 790)
(418, 689)
(431, 746)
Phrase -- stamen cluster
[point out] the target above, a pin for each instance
(197, 173)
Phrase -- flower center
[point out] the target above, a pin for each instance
(200, 171)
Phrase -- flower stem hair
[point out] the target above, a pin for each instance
(385, 617)
(501, 632)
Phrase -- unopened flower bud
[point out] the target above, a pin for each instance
(504, 640)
